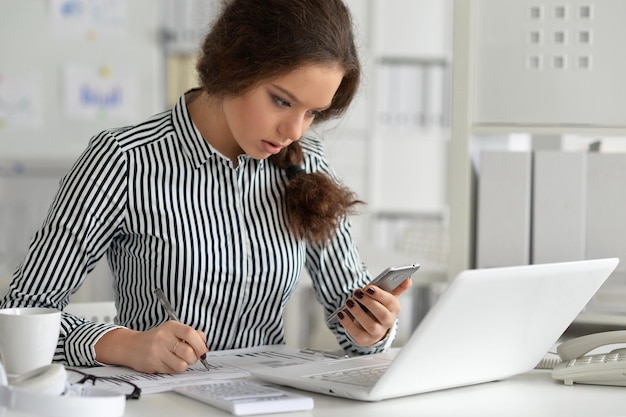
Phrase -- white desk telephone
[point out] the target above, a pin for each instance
(580, 366)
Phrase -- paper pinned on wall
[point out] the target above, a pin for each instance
(90, 19)
(21, 102)
(95, 93)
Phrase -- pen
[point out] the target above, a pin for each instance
(172, 314)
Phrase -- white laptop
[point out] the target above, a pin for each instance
(488, 325)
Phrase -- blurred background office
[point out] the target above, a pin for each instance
(531, 82)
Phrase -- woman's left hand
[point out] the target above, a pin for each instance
(371, 312)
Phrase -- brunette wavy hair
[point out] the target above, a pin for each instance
(252, 41)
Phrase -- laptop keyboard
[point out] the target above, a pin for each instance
(364, 377)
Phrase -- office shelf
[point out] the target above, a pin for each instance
(392, 146)
(522, 69)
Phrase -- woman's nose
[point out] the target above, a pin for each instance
(293, 127)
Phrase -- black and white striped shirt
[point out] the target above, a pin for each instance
(170, 211)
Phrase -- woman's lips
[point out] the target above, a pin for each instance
(271, 147)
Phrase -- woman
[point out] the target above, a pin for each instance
(220, 202)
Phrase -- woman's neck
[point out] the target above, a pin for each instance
(207, 115)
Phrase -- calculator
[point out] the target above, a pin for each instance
(245, 397)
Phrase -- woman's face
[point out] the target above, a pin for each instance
(275, 113)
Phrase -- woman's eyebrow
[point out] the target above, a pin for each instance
(294, 99)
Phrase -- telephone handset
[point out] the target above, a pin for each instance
(597, 368)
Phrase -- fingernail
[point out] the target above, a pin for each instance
(359, 294)
(340, 315)
(203, 356)
(370, 290)
(350, 304)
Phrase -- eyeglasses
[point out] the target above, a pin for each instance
(130, 390)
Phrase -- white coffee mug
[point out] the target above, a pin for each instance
(28, 337)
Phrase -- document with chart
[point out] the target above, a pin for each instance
(230, 364)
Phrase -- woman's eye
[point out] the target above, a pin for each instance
(315, 113)
(281, 102)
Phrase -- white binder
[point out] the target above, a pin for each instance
(559, 206)
(503, 223)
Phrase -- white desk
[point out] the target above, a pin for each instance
(534, 394)
(528, 395)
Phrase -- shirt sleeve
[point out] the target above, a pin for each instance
(336, 270)
(84, 217)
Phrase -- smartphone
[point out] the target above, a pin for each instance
(387, 280)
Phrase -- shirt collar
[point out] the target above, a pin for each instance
(196, 148)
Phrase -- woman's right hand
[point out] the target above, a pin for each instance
(169, 348)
